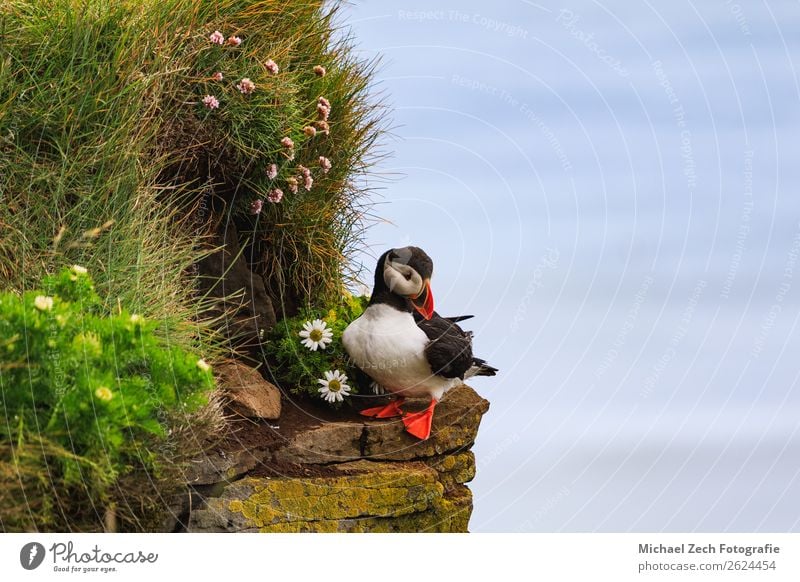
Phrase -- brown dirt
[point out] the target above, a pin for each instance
(282, 469)
(296, 417)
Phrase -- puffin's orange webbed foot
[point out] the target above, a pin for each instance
(389, 411)
(419, 423)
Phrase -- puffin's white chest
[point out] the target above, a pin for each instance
(390, 348)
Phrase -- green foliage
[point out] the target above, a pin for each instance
(301, 368)
(104, 390)
(102, 122)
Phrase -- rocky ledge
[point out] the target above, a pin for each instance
(320, 471)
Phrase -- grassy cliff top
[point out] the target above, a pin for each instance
(128, 133)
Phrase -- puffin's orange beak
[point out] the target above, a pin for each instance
(425, 307)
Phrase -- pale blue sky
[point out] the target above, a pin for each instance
(611, 188)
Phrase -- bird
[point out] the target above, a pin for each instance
(404, 345)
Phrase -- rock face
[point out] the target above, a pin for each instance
(243, 305)
(354, 475)
(455, 425)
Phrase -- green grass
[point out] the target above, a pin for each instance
(100, 121)
(109, 160)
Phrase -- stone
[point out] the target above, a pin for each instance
(222, 466)
(454, 469)
(243, 306)
(343, 475)
(332, 442)
(450, 514)
(358, 496)
(455, 426)
(249, 393)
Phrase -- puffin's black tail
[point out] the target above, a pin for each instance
(481, 368)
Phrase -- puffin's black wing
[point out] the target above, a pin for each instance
(455, 319)
(449, 351)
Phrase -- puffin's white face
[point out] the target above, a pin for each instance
(402, 279)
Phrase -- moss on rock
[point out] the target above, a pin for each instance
(403, 485)
(455, 469)
(448, 514)
(364, 497)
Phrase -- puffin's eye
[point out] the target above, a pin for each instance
(407, 276)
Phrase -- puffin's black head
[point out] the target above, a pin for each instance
(407, 272)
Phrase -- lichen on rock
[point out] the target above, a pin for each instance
(351, 476)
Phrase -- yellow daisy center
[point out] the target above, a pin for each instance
(334, 385)
(315, 335)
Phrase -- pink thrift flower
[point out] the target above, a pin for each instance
(310, 131)
(217, 37)
(323, 127)
(325, 164)
(319, 71)
(292, 183)
(275, 195)
(256, 206)
(234, 41)
(287, 143)
(272, 66)
(217, 76)
(323, 108)
(210, 102)
(246, 86)
(308, 180)
(272, 171)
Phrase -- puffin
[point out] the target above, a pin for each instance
(405, 346)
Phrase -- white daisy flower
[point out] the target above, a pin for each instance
(316, 334)
(43, 303)
(377, 388)
(77, 271)
(334, 387)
